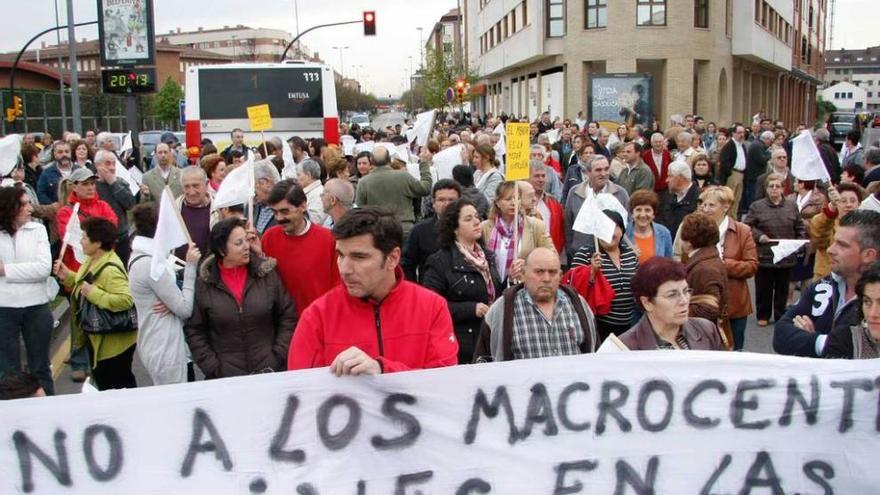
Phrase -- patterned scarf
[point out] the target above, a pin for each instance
(870, 347)
(477, 259)
(504, 233)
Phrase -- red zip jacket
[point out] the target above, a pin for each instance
(410, 329)
(94, 207)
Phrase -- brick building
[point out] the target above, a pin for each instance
(722, 59)
(241, 43)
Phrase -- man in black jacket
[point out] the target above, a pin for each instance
(422, 240)
(117, 194)
(756, 164)
(680, 199)
(733, 165)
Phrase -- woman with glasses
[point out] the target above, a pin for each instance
(661, 291)
(773, 218)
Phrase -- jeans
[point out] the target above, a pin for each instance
(34, 324)
(738, 328)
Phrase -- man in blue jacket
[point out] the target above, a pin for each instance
(831, 301)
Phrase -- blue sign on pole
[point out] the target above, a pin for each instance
(450, 95)
(181, 105)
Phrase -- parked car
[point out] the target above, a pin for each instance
(838, 125)
(361, 119)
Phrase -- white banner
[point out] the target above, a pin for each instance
(447, 159)
(635, 422)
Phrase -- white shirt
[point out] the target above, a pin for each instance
(722, 231)
(545, 214)
(740, 163)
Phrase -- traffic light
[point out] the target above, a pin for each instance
(10, 115)
(459, 89)
(370, 23)
(16, 106)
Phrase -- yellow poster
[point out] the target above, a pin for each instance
(517, 141)
(260, 118)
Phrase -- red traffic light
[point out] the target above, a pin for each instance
(459, 83)
(369, 23)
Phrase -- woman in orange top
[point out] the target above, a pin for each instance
(647, 237)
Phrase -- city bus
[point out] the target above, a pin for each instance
(301, 98)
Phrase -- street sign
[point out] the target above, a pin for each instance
(450, 95)
(181, 107)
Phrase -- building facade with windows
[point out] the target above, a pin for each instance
(847, 97)
(446, 38)
(859, 67)
(723, 59)
(242, 43)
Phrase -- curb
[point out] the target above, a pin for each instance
(62, 348)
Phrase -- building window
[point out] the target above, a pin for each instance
(849, 96)
(870, 94)
(651, 13)
(525, 13)
(513, 20)
(728, 17)
(555, 18)
(597, 14)
(701, 13)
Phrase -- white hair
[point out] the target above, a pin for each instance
(102, 138)
(311, 168)
(265, 169)
(680, 168)
(187, 172)
(768, 135)
(102, 156)
(658, 136)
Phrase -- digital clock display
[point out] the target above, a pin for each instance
(129, 81)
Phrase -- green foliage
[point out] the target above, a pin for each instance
(348, 100)
(439, 75)
(823, 109)
(166, 102)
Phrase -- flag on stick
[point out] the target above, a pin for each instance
(237, 187)
(806, 162)
(73, 236)
(171, 233)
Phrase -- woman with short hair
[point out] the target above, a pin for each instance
(740, 257)
(464, 273)
(648, 237)
(243, 318)
(661, 291)
(488, 176)
(773, 218)
(215, 168)
(103, 281)
(706, 274)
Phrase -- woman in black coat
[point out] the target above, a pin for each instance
(464, 273)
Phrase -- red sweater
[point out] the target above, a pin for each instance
(87, 208)
(306, 263)
(410, 329)
(660, 170)
(557, 222)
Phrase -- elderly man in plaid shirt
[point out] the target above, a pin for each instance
(539, 318)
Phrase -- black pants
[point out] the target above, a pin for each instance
(114, 372)
(771, 292)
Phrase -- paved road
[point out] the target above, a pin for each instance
(385, 119)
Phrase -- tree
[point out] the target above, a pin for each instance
(166, 103)
(349, 100)
(439, 75)
(823, 109)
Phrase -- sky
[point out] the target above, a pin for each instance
(384, 58)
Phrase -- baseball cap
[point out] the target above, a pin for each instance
(81, 175)
(169, 138)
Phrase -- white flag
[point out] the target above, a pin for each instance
(553, 135)
(73, 235)
(136, 175)
(126, 143)
(591, 220)
(608, 201)
(806, 162)
(501, 146)
(348, 143)
(237, 187)
(786, 247)
(170, 234)
(10, 153)
(125, 174)
(422, 128)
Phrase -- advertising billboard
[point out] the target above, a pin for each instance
(125, 29)
(621, 98)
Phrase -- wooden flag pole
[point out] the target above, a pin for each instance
(265, 149)
(177, 214)
(515, 220)
(250, 205)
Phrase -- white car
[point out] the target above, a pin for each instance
(362, 120)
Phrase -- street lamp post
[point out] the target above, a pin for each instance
(341, 63)
(421, 48)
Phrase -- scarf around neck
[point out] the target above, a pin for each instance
(502, 232)
(477, 259)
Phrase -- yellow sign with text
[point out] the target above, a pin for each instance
(261, 119)
(517, 141)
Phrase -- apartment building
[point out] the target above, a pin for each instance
(859, 67)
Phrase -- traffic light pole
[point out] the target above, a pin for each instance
(25, 47)
(300, 35)
(74, 75)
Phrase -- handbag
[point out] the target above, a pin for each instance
(723, 323)
(99, 321)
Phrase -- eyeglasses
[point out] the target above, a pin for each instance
(774, 186)
(684, 294)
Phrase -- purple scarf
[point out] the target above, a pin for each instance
(503, 233)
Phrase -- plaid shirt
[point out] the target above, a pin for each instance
(534, 336)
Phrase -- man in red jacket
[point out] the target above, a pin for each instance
(658, 158)
(551, 210)
(375, 322)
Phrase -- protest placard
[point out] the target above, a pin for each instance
(517, 141)
(259, 117)
(630, 422)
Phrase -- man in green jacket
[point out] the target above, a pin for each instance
(395, 189)
(635, 174)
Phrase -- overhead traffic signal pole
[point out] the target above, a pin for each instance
(368, 20)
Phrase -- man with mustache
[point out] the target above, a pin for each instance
(538, 318)
(60, 168)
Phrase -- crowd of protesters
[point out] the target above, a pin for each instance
(353, 260)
